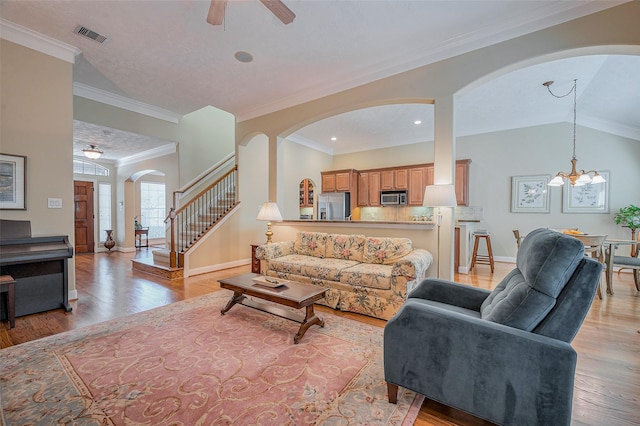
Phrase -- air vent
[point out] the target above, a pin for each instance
(86, 32)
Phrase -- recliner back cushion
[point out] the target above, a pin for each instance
(545, 263)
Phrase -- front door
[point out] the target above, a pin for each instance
(83, 200)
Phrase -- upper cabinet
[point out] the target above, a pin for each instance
(339, 181)
(307, 191)
(462, 182)
(367, 184)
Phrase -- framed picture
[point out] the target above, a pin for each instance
(13, 173)
(590, 198)
(530, 194)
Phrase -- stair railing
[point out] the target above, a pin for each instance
(192, 220)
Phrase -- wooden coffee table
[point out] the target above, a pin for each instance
(292, 294)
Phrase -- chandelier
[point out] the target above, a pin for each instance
(575, 177)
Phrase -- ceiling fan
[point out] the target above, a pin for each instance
(277, 7)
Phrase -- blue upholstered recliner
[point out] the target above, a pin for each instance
(502, 355)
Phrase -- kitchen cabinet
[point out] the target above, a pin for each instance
(307, 192)
(363, 189)
(369, 189)
(387, 180)
(374, 189)
(417, 178)
(462, 182)
(401, 179)
(339, 181)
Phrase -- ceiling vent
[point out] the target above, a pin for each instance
(86, 32)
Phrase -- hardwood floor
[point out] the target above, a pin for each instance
(607, 385)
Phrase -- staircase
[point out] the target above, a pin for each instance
(190, 223)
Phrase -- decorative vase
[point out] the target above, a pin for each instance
(109, 243)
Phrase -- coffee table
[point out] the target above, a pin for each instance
(292, 294)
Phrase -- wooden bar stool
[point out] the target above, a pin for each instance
(481, 258)
(7, 285)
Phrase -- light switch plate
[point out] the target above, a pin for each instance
(54, 203)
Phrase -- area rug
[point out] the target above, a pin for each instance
(186, 364)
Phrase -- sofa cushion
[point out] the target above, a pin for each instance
(311, 244)
(348, 247)
(368, 275)
(545, 262)
(310, 266)
(385, 250)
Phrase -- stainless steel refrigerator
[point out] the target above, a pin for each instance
(334, 206)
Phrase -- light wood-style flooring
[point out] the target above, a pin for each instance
(607, 386)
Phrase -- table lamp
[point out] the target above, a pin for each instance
(269, 212)
(439, 196)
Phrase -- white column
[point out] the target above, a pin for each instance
(444, 173)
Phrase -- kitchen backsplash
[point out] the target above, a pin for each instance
(401, 214)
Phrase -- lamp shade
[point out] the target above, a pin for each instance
(440, 196)
(269, 212)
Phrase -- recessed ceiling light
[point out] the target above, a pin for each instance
(417, 122)
(334, 138)
(243, 56)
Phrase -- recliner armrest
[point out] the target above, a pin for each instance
(451, 293)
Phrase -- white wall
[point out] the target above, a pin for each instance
(298, 162)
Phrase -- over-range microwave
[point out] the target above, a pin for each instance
(393, 198)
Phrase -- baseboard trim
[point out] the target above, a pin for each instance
(218, 267)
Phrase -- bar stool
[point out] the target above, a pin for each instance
(7, 285)
(481, 258)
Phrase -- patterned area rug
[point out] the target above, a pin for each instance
(185, 364)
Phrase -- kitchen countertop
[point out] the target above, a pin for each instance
(413, 224)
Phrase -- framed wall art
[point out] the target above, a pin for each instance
(530, 194)
(13, 173)
(590, 198)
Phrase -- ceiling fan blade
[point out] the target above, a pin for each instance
(216, 12)
(280, 10)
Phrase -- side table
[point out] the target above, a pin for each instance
(255, 262)
(138, 237)
(7, 285)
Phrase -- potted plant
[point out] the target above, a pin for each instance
(628, 216)
(137, 224)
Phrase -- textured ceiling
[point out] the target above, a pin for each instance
(163, 53)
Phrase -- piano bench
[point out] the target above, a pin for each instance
(7, 285)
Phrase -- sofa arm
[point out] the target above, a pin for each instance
(496, 372)
(451, 293)
(273, 250)
(414, 265)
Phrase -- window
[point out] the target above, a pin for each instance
(152, 208)
(104, 210)
(81, 167)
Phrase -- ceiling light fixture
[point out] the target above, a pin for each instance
(417, 122)
(92, 152)
(575, 177)
(334, 138)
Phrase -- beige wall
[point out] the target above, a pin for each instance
(36, 120)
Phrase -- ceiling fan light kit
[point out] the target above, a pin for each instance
(277, 7)
(92, 152)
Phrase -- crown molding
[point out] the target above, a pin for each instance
(160, 151)
(607, 126)
(39, 42)
(123, 102)
(309, 143)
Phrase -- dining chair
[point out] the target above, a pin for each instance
(593, 247)
(630, 262)
(516, 234)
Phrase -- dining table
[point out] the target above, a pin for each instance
(609, 252)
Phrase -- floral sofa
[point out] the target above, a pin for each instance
(366, 275)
